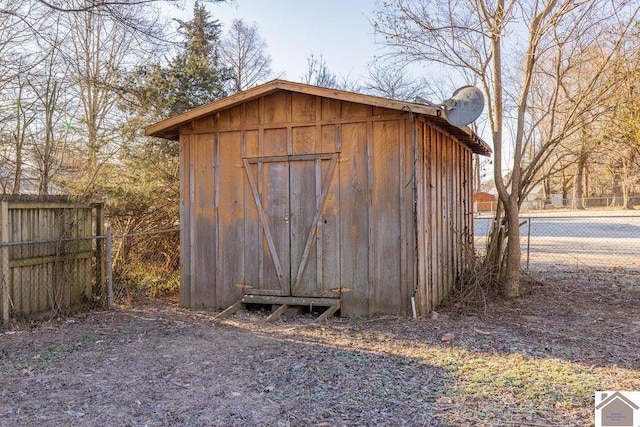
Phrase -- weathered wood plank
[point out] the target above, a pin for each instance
(266, 227)
(231, 219)
(303, 140)
(392, 115)
(303, 108)
(21, 206)
(277, 313)
(441, 224)
(328, 312)
(252, 113)
(385, 204)
(371, 253)
(252, 143)
(293, 158)
(4, 260)
(424, 191)
(311, 238)
(353, 220)
(263, 255)
(352, 110)
(276, 108)
(420, 230)
(303, 204)
(319, 243)
(217, 286)
(252, 247)
(274, 142)
(447, 262)
(318, 137)
(27, 262)
(203, 222)
(434, 216)
(329, 274)
(406, 264)
(229, 311)
(187, 257)
(278, 299)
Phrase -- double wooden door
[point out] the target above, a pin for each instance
(291, 196)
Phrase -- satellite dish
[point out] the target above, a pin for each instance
(464, 106)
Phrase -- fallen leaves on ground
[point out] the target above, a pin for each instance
(536, 360)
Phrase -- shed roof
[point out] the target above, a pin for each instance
(170, 127)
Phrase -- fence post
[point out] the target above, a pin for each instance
(100, 261)
(528, 242)
(4, 253)
(108, 246)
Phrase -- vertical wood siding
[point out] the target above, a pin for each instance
(47, 255)
(444, 214)
(298, 194)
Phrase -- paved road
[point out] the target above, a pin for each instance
(597, 239)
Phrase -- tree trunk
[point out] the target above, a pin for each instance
(627, 186)
(578, 189)
(511, 284)
(627, 200)
(617, 185)
(19, 142)
(546, 188)
(476, 173)
(587, 189)
(17, 171)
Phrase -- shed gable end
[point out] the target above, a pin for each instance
(284, 108)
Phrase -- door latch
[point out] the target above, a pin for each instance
(286, 218)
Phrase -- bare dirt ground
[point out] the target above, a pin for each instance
(532, 361)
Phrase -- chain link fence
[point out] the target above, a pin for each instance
(145, 263)
(55, 277)
(574, 240)
(52, 278)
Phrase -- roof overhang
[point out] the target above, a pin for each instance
(170, 128)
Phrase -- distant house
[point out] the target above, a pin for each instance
(315, 194)
(484, 202)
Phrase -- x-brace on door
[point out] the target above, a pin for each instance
(290, 195)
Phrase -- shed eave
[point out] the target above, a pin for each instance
(170, 127)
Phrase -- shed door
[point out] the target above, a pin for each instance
(290, 194)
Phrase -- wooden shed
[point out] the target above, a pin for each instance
(308, 194)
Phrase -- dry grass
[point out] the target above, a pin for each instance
(533, 361)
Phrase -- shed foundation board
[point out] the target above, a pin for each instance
(283, 305)
(290, 301)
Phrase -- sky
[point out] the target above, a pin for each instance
(340, 30)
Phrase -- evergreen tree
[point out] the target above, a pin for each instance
(196, 73)
(193, 77)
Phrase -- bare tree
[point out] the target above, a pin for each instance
(16, 99)
(100, 49)
(394, 82)
(51, 85)
(245, 53)
(318, 72)
(622, 132)
(513, 48)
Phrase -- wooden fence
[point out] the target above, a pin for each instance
(51, 254)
